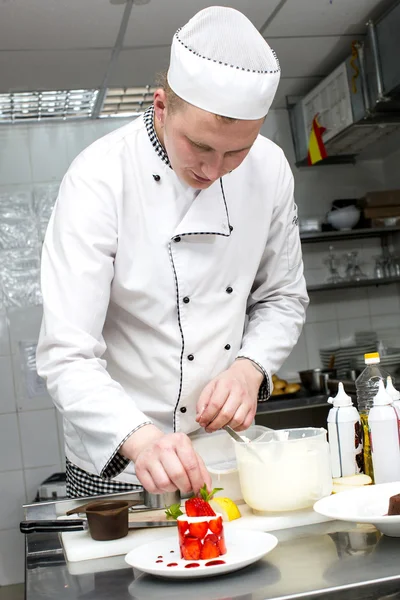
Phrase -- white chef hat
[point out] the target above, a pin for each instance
(222, 64)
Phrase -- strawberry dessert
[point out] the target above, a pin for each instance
(201, 531)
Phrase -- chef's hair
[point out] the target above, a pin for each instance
(175, 102)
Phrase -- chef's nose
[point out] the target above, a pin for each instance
(213, 168)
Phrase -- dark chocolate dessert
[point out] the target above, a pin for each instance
(394, 505)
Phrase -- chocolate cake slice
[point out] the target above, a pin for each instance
(394, 505)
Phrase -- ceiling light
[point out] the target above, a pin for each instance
(127, 101)
(51, 105)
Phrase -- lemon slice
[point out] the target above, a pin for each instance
(226, 507)
(353, 480)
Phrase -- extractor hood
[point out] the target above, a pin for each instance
(359, 102)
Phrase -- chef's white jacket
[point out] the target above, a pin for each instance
(151, 289)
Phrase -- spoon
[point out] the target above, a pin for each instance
(239, 439)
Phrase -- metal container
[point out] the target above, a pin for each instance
(312, 380)
(161, 500)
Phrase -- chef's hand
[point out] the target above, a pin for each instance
(231, 398)
(165, 462)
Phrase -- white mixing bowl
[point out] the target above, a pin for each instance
(344, 218)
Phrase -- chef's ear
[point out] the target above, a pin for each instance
(160, 105)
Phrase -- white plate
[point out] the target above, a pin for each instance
(369, 504)
(243, 548)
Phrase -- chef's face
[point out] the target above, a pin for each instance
(201, 146)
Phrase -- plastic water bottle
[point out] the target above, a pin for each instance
(345, 436)
(367, 386)
(384, 438)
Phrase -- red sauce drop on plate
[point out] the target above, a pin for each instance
(191, 565)
(159, 556)
(212, 563)
(172, 551)
(172, 565)
(158, 561)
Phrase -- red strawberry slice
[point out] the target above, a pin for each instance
(183, 527)
(198, 530)
(221, 545)
(216, 525)
(209, 549)
(212, 538)
(191, 548)
(197, 507)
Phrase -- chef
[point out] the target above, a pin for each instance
(172, 274)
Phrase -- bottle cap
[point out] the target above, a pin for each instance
(372, 358)
(391, 390)
(382, 398)
(341, 399)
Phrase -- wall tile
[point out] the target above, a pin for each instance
(5, 348)
(383, 300)
(320, 335)
(78, 138)
(7, 390)
(315, 276)
(371, 248)
(39, 437)
(348, 328)
(12, 557)
(322, 307)
(23, 400)
(12, 498)
(386, 322)
(61, 436)
(315, 255)
(34, 477)
(297, 361)
(10, 450)
(15, 166)
(48, 150)
(351, 303)
(24, 325)
(106, 125)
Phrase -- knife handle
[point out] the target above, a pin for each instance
(55, 526)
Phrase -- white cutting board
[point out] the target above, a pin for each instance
(78, 545)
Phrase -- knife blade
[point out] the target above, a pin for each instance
(67, 525)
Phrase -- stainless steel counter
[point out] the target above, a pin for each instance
(330, 560)
(302, 402)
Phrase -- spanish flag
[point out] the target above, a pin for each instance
(316, 148)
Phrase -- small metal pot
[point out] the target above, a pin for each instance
(161, 500)
(352, 374)
(313, 381)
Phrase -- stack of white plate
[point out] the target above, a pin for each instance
(345, 357)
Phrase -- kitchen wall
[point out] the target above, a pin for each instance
(34, 157)
(391, 170)
(334, 316)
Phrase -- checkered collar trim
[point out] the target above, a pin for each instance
(158, 147)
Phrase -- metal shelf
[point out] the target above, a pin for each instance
(352, 284)
(350, 234)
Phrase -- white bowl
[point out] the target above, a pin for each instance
(344, 218)
(285, 474)
(369, 504)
